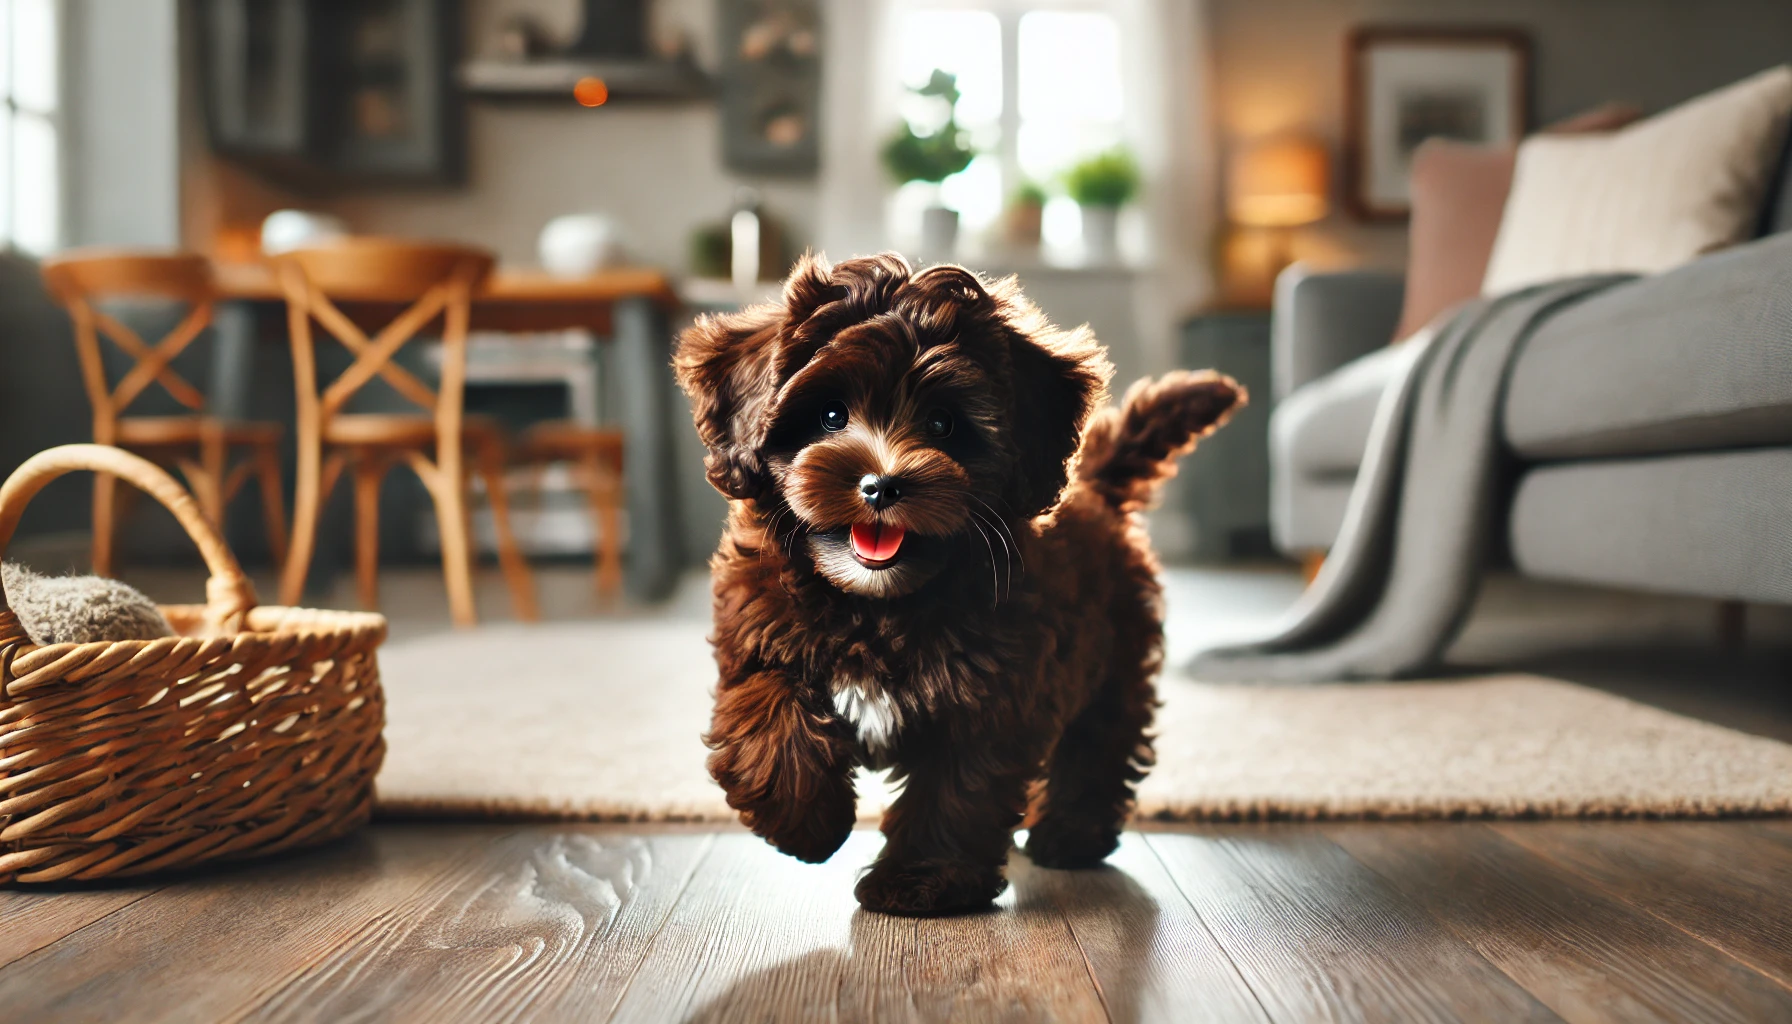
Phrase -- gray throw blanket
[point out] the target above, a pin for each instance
(1408, 559)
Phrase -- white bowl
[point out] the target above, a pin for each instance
(286, 230)
(580, 244)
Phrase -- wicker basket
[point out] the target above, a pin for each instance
(253, 730)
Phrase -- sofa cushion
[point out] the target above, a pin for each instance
(1697, 358)
(1655, 195)
(1323, 428)
(1717, 524)
(1458, 192)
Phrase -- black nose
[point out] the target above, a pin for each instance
(880, 492)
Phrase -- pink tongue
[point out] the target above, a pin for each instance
(876, 542)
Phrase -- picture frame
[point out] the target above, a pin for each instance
(1405, 84)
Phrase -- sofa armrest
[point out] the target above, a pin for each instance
(1322, 320)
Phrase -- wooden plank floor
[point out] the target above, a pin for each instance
(1578, 921)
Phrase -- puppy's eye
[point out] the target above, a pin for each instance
(939, 423)
(833, 417)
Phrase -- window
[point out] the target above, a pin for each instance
(1041, 89)
(30, 157)
(1069, 102)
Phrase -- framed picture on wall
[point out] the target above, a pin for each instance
(1405, 84)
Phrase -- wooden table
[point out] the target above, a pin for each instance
(628, 307)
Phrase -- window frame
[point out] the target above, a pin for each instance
(1008, 15)
(55, 118)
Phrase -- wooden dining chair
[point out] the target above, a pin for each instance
(429, 282)
(197, 443)
(594, 455)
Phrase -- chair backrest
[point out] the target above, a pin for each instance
(81, 279)
(428, 280)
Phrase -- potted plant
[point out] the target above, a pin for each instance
(1026, 211)
(1101, 185)
(932, 157)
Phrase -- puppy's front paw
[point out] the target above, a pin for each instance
(1055, 843)
(810, 834)
(809, 825)
(796, 793)
(928, 888)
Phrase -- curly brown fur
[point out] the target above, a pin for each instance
(1013, 636)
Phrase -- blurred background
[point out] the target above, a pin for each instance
(1146, 166)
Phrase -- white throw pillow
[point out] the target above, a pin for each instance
(1647, 198)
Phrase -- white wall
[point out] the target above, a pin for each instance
(122, 112)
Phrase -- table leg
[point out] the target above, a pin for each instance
(643, 366)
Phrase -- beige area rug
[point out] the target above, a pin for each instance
(602, 721)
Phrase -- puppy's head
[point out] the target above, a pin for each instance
(893, 424)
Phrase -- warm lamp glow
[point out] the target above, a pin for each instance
(1278, 184)
(590, 92)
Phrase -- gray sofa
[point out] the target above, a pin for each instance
(1649, 427)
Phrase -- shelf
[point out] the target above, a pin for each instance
(554, 79)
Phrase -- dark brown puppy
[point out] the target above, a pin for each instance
(905, 580)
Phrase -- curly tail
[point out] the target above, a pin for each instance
(1128, 452)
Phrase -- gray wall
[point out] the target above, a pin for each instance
(1279, 66)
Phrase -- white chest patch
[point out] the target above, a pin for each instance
(875, 716)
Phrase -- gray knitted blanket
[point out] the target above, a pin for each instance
(1401, 577)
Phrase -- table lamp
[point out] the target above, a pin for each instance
(1277, 184)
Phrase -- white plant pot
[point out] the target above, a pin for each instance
(939, 234)
(1101, 235)
(579, 244)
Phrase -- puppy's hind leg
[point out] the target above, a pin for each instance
(1089, 785)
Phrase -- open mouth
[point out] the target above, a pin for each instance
(876, 545)
(878, 560)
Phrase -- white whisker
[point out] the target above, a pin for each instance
(979, 522)
(1007, 553)
(995, 585)
(1003, 524)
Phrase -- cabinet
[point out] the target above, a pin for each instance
(1225, 483)
(321, 93)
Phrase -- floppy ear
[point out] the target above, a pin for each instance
(724, 364)
(730, 365)
(1059, 378)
